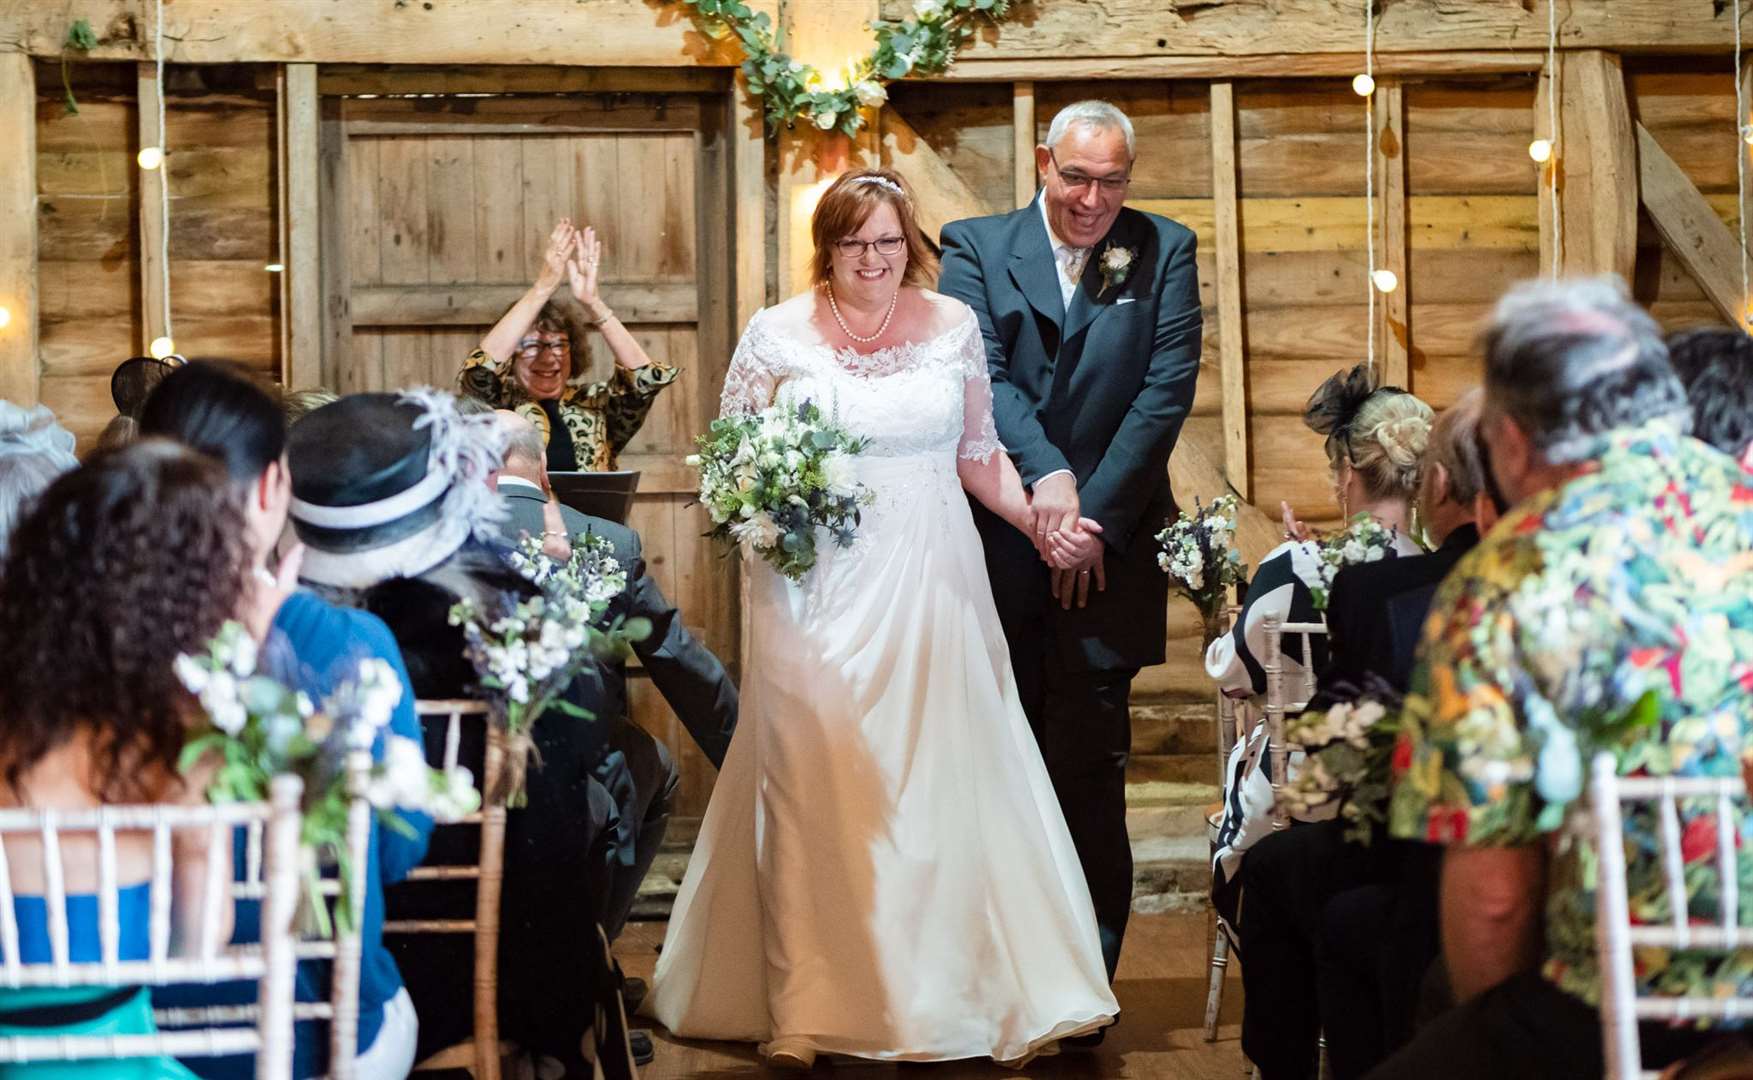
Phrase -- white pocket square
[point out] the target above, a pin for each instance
(1126, 300)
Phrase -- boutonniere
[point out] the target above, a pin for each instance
(1116, 264)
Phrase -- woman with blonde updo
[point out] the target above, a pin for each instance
(1376, 443)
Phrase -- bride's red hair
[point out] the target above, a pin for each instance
(848, 203)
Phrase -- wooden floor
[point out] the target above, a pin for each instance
(1161, 987)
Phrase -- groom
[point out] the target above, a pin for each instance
(1091, 317)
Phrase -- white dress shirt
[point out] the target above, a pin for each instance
(1068, 262)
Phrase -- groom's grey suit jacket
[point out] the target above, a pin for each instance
(1100, 387)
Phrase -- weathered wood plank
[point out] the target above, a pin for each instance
(1597, 165)
(1231, 343)
(154, 210)
(301, 311)
(481, 305)
(18, 239)
(1280, 65)
(337, 277)
(518, 116)
(1022, 145)
(1336, 223)
(622, 33)
(517, 79)
(940, 196)
(1691, 228)
(1393, 308)
(749, 205)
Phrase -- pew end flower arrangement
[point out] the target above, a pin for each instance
(770, 480)
(527, 650)
(258, 728)
(1199, 555)
(1352, 751)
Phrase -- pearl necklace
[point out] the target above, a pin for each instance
(847, 330)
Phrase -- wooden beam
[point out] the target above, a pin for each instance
(301, 282)
(1153, 28)
(520, 79)
(337, 279)
(940, 196)
(636, 303)
(1691, 228)
(1022, 114)
(19, 374)
(518, 116)
(1597, 166)
(1549, 186)
(1232, 345)
(620, 33)
(1280, 65)
(1393, 309)
(1744, 199)
(154, 210)
(749, 177)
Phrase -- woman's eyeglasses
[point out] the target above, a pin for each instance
(535, 347)
(885, 245)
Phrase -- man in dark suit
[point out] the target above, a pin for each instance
(1090, 313)
(1338, 935)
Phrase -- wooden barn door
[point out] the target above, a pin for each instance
(448, 202)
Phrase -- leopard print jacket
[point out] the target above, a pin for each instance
(602, 417)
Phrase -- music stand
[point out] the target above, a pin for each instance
(606, 495)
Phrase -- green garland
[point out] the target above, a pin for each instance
(924, 45)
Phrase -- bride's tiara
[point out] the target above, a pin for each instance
(883, 182)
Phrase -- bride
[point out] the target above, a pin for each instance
(884, 871)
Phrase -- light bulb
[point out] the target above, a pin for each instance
(274, 268)
(162, 347)
(1540, 150)
(1385, 280)
(150, 157)
(1747, 133)
(1363, 85)
(5, 317)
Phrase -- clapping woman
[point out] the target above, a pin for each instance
(533, 359)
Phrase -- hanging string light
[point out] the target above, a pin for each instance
(1541, 150)
(1365, 86)
(151, 158)
(1743, 137)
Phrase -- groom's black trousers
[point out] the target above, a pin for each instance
(1082, 724)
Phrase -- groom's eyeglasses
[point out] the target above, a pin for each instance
(1080, 181)
(885, 245)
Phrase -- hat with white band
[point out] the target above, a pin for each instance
(390, 485)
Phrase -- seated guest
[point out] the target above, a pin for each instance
(1623, 563)
(684, 671)
(216, 409)
(119, 432)
(1717, 367)
(1296, 874)
(1376, 438)
(34, 449)
(391, 499)
(533, 359)
(124, 564)
(297, 404)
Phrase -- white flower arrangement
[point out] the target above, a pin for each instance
(770, 480)
(1363, 540)
(1198, 553)
(259, 728)
(1350, 752)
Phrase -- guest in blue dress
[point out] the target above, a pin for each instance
(120, 566)
(316, 646)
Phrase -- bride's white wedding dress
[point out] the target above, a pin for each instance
(884, 870)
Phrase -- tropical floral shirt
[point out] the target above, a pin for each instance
(1613, 613)
(601, 417)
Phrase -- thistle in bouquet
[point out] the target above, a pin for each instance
(770, 480)
(1349, 751)
(1362, 540)
(1199, 555)
(258, 728)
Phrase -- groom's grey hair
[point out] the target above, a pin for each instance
(1091, 114)
(1571, 360)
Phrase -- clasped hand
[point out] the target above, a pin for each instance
(1070, 544)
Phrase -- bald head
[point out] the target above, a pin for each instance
(525, 456)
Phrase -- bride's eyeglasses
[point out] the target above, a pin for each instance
(853, 248)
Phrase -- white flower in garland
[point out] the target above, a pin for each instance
(826, 119)
(928, 10)
(870, 93)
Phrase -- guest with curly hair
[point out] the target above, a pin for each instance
(122, 565)
(533, 360)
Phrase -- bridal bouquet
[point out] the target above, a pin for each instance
(1350, 750)
(527, 650)
(769, 480)
(1200, 558)
(259, 728)
(1363, 540)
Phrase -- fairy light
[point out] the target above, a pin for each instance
(5, 317)
(150, 157)
(1540, 150)
(1385, 280)
(162, 347)
(274, 268)
(1363, 85)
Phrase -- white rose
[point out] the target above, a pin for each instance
(190, 673)
(870, 93)
(840, 473)
(826, 119)
(927, 10)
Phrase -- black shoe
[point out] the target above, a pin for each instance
(643, 1050)
(633, 994)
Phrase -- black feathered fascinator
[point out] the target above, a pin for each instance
(1333, 407)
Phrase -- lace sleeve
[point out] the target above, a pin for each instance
(749, 384)
(979, 432)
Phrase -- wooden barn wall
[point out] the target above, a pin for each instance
(220, 131)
